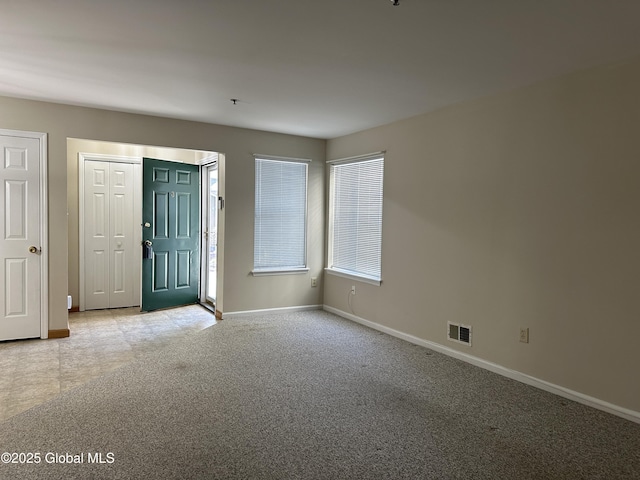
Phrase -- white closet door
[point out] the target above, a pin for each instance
(122, 267)
(111, 265)
(96, 228)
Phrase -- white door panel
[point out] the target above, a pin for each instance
(110, 262)
(20, 282)
(96, 229)
(121, 271)
(16, 287)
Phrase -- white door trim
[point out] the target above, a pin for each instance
(137, 207)
(44, 225)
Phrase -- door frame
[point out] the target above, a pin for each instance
(205, 164)
(44, 224)
(137, 211)
(220, 159)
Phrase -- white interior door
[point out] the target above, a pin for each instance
(122, 252)
(20, 237)
(111, 256)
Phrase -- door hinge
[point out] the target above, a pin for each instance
(221, 202)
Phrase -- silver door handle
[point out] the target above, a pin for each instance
(33, 249)
(148, 243)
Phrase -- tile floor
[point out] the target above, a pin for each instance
(34, 371)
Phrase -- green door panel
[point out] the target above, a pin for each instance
(170, 205)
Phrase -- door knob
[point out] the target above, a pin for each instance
(147, 250)
(33, 249)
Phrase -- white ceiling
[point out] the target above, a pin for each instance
(320, 68)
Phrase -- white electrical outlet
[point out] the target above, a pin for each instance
(524, 335)
(353, 289)
(314, 281)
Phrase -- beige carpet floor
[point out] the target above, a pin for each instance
(312, 396)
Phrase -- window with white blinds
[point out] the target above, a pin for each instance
(355, 228)
(280, 216)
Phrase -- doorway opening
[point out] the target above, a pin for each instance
(80, 150)
(210, 205)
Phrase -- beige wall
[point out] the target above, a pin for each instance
(241, 291)
(518, 210)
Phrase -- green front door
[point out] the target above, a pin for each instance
(170, 217)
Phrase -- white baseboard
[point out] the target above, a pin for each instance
(499, 369)
(267, 311)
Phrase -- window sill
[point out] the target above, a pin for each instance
(286, 271)
(352, 276)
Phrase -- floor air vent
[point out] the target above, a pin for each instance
(459, 333)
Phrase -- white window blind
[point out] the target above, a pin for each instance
(356, 217)
(280, 216)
